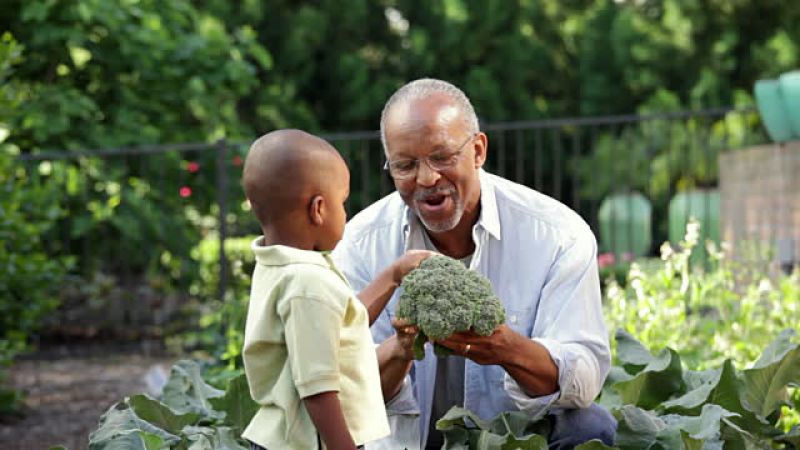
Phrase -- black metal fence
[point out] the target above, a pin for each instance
(126, 202)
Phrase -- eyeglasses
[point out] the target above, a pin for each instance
(403, 169)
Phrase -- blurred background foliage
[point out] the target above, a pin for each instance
(106, 74)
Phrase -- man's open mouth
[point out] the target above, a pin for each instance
(434, 200)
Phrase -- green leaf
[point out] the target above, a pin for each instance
(700, 386)
(609, 397)
(121, 428)
(659, 380)
(631, 353)
(594, 444)
(237, 404)
(462, 429)
(518, 424)
(792, 437)
(728, 395)
(704, 427)
(212, 438)
(160, 414)
(532, 442)
(765, 383)
(457, 417)
(80, 56)
(186, 391)
(639, 429)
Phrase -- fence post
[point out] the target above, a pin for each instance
(222, 203)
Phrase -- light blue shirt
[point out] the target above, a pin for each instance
(541, 259)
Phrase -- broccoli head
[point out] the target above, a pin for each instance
(441, 297)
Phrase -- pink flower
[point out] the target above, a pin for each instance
(192, 166)
(627, 256)
(185, 191)
(237, 160)
(605, 259)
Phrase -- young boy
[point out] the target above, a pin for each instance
(308, 353)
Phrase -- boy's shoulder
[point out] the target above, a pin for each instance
(303, 280)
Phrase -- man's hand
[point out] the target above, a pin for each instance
(527, 361)
(497, 348)
(408, 262)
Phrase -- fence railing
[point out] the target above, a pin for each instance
(136, 208)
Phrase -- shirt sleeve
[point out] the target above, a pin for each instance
(312, 327)
(570, 325)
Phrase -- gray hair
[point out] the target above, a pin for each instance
(422, 88)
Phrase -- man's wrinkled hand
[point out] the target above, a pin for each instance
(485, 350)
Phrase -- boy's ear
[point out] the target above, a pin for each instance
(316, 210)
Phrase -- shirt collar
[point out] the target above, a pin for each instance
(489, 218)
(281, 255)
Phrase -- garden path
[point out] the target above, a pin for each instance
(67, 389)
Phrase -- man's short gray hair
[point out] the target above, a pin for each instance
(422, 88)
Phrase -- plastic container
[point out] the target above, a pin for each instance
(702, 205)
(770, 103)
(790, 92)
(625, 225)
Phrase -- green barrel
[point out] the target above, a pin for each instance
(770, 103)
(790, 92)
(703, 205)
(625, 225)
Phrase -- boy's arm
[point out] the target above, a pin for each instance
(326, 413)
(377, 293)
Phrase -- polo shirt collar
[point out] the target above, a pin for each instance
(281, 255)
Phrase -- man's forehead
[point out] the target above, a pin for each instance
(433, 109)
(424, 120)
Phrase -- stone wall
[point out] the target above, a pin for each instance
(760, 198)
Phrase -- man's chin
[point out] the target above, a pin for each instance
(438, 224)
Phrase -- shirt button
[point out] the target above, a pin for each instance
(512, 319)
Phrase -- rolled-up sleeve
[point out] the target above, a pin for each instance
(570, 326)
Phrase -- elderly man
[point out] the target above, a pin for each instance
(552, 355)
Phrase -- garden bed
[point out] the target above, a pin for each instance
(67, 388)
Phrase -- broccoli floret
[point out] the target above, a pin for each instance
(442, 297)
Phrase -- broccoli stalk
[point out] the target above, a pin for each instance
(442, 297)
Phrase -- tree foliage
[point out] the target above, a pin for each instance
(112, 73)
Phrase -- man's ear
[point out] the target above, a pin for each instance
(316, 210)
(481, 145)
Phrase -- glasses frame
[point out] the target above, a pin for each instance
(455, 155)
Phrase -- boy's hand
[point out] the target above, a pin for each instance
(406, 334)
(408, 262)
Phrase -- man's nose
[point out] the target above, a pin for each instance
(426, 176)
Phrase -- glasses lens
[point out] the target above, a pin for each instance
(442, 162)
(403, 168)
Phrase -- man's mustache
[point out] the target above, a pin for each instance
(442, 190)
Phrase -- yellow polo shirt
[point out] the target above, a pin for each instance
(307, 333)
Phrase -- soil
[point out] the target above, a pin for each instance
(68, 388)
